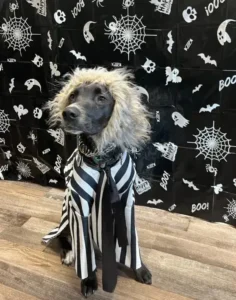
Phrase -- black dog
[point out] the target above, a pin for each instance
(105, 111)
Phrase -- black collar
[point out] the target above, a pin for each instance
(89, 152)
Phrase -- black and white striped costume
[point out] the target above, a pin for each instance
(82, 212)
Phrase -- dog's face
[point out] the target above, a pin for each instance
(89, 109)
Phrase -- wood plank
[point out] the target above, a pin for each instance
(39, 225)
(8, 217)
(189, 258)
(25, 188)
(190, 278)
(220, 234)
(22, 236)
(29, 205)
(50, 288)
(36, 285)
(185, 248)
(216, 235)
(162, 218)
(23, 260)
(7, 293)
(177, 244)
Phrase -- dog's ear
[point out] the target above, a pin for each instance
(129, 125)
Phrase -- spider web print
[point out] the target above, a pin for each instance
(127, 34)
(231, 208)
(4, 122)
(212, 144)
(17, 33)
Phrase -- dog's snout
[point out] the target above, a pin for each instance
(70, 113)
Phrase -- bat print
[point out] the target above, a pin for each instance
(11, 85)
(207, 59)
(209, 108)
(49, 40)
(78, 55)
(190, 184)
(170, 42)
(154, 201)
(197, 88)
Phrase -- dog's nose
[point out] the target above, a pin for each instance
(70, 113)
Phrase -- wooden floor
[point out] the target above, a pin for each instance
(189, 258)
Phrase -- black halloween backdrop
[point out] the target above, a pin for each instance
(183, 55)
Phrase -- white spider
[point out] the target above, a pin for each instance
(4, 27)
(211, 169)
(113, 26)
(98, 3)
(13, 6)
(127, 3)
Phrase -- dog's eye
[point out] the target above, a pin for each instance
(72, 96)
(101, 99)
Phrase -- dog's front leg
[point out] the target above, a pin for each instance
(143, 275)
(89, 285)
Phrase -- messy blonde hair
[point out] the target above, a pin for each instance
(128, 126)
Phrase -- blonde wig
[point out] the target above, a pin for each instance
(128, 126)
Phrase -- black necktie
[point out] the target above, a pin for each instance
(112, 216)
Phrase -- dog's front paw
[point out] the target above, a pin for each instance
(89, 285)
(67, 257)
(143, 275)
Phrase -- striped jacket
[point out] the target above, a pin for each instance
(82, 211)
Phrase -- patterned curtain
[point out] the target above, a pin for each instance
(183, 56)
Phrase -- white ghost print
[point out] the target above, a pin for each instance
(20, 110)
(222, 35)
(179, 120)
(172, 75)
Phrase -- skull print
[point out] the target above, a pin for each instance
(149, 66)
(38, 61)
(190, 14)
(38, 113)
(59, 16)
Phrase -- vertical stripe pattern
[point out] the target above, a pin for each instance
(82, 212)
